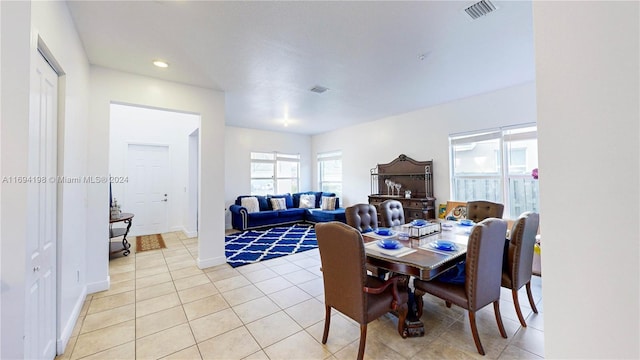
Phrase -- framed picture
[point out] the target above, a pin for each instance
(456, 210)
(442, 211)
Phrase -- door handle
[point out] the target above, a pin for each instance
(165, 200)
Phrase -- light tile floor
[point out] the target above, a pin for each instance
(160, 305)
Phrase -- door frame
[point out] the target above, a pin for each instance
(43, 50)
(193, 185)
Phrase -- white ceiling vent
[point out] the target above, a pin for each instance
(479, 9)
(319, 89)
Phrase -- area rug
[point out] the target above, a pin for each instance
(149, 242)
(252, 246)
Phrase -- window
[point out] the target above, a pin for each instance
(496, 165)
(330, 172)
(274, 173)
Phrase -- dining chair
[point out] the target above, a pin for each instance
(391, 213)
(482, 280)
(363, 217)
(348, 288)
(517, 269)
(480, 210)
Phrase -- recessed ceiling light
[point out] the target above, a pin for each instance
(160, 64)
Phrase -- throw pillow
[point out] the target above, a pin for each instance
(328, 203)
(307, 201)
(251, 203)
(278, 203)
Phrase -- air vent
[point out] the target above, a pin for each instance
(480, 9)
(319, 89)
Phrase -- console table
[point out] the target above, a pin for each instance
(115, 232)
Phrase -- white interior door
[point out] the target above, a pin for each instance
(148, 188)
(40, 326)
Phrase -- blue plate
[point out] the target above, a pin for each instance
(467, 222)
(384, 231)
(419, 222)
(444, 245)
(389, 244)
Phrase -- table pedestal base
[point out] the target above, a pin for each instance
(414, 328)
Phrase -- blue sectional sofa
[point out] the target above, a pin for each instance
(243, 219)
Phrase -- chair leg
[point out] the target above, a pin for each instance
(417, 296)
(474, 332)
(516, 304)
(496, 309)
(448, 303)
(363, 340)
(533, 305)
(327, 321)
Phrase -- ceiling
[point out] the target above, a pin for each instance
(377, 58)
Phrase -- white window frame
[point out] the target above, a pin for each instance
(504, 178)
(276, 157)
(321, 159)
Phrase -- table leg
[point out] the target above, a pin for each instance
(125, 242)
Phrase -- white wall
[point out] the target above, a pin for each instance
(22, 22)
(587, 65)
(144, 126)
(109, 86)
(421, 135)
(240, 142)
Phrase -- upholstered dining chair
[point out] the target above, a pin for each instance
(482, 282)
(363, 217)
(391, 213)
(516, 272)
(347, 287)
(480, 210)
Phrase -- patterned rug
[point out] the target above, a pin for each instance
(149, 242)
(251, 246)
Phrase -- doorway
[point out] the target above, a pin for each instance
(150, 150)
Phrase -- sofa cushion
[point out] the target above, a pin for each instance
(296, 198)
(287, 197)
(251, 203)
(328, 203)
(328, 194)
(307, 201)
(262, 201)
(278, 203)
(317, 215)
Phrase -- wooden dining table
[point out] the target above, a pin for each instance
(417, 258)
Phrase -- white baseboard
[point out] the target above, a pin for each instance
(67, 330)
(186, 232)
(99, 286)
(206, 263)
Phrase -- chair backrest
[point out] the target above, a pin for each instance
(480, 210)
(523, 239)
(391, 213)
(343, 268)
(363, 217)
(484, 262)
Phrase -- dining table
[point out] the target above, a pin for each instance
(419, 257)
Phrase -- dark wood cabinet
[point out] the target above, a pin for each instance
(393, 180)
